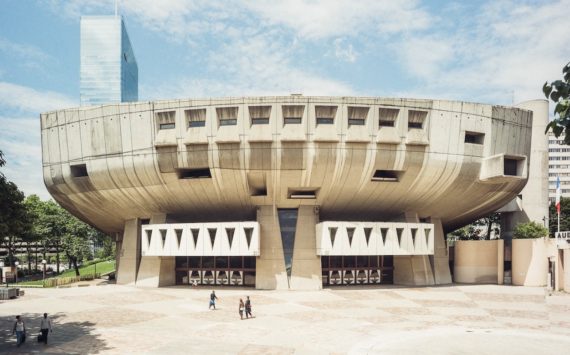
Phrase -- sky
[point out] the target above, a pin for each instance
(496, 52)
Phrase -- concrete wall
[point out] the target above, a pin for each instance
(530, 262)
(479, 261)
(128, 253)
(566, 256)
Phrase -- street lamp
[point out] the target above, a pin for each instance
(44, 262)
(2, 268)
(17, 263)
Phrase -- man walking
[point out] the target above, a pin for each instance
(45, 327)
(213, 299)
(248, 308)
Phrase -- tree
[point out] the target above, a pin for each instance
(491, 223)
(559, 92)
(564, 216)
(530, 230)
(15, 222)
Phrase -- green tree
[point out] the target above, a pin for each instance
(530, 230)
(559, 92)
(564, 216)
(15, 222)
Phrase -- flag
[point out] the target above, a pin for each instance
(558, 192)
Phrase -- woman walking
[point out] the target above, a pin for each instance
(20, 330)
(241, 308)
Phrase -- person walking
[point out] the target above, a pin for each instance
(20, 330)
(248, 308)
(45, 327)
(241, 308)
(213, 299)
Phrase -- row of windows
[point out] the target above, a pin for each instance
(559, 174)
(559, 150)
(292, 114)
(564, 191)
(559, 167)
(559, 158)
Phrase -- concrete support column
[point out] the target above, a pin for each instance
(413, 270)
(441, 272)
(128, 253)
(306, 273)
(157, 271)
(566, 282)
(270, 272)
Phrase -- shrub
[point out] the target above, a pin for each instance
(530, 230)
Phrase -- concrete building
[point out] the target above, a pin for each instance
(285, 192)
(558, 166)
(109, 71)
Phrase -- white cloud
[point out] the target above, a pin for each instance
(510, 49)
(13, 96)
(344, 52)
(24, 51)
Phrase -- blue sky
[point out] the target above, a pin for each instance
(482, 51)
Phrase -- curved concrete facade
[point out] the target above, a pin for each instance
(342, 159)
(132, 167)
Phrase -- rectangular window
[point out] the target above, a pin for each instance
(227, 116)
(357, 115)
(387, 117)
(302, 194)
(416, 119)
(292, 114)
(511, 167)
(259, 114)
(79, 170)
(196, 117)
(166, 120)
(201, 173)
(387, 175)
(325, 114)
(474, 137)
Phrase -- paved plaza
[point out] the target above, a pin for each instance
(458, 319)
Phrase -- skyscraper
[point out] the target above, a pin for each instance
(109, 71)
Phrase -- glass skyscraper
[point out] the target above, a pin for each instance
(109, 71)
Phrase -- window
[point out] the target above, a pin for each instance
(166, 120)
(325, 114)
(196, 117)
(79, 170)
(416, 119)
(302, 194)
(259, 114)
(227, 116)
(387, 175)
(357, 115)
(292, 114)
(474, 137)
(288, 227)
(511, 167)
(201, 173)
(387, 117)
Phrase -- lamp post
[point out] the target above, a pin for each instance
(95, 262)
(44, 262)
(2, 268)
(17, 263)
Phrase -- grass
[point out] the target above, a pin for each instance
(103, 267)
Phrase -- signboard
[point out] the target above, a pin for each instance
(563, 235)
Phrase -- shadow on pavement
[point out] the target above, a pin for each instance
(67, 338)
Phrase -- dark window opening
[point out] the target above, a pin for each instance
(511, 167)
(417, 125)
(416, 119)
(259, 114)
(259, 121)
(196, 124)
(292, 114)
(196, 117)
(386, 175)
(201, 173)
(357, 115)
(474, 137)
(325, 114)
(79, 170)
(302, 194)
(385, 123)
(387, 117)
(292, 120)
(167, 126)
(227, 116)
(356, 122)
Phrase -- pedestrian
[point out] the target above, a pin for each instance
(241, 308)
(248, 308)
(45, 327)
(20, 330)
(213, 299)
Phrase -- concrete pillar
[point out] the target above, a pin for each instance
(413, 270)
(441, 272)
(566, 257)
(128, 253)
(306, 273)
(270, 272)
(157, 271)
